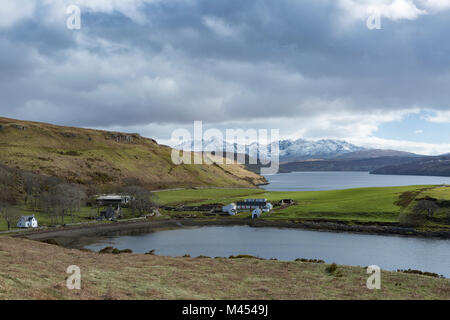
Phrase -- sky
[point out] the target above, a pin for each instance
(311, 68)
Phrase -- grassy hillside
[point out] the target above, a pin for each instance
(34, 270)
(88, 156)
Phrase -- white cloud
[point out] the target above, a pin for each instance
(56, 10)
(11, 12)
(435, 5)
(402, 145)
(276, 74)
(439, 117)
(390, 9)
(218, 26)
(393, 9)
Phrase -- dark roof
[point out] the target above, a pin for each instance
(253, 203)
(109, 213)
(28, 218)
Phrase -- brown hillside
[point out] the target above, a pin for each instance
(89, 156)
(33, 270)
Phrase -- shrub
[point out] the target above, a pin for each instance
(70, 153)
(423, 273)
(412, 219)
(115, 250)
(106, 250)
(51, 241)
(244, 256)
(310, 260)
(331, 268)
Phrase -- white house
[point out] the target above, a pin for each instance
(231, 209)
(256, 213)
(27, 222)
(267, 207)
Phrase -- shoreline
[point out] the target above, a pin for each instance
(81, 235)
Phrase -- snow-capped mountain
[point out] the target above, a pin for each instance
(322, 149)
(290, 150)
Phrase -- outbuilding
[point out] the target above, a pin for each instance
(231, 209)
(256, 213)
(27, 222)
(113, 199)
(286, 202)
(267, 207)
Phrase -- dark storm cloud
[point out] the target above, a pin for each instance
(219, 61)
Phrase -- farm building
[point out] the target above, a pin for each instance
(267, 207)
(113, 199)
(231, 209)
(249, 204)
(27, 222)
(110, 213)
(256, 213)
(285, 202)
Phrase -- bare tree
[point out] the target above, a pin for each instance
(142, 199)
(30, 184)
(6, 182)
(10, 214)
(62, 200)
(6, 177)
(412, 219)
(425, 206)
(7, 212)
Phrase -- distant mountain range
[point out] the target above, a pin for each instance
(334, 155)
(290, 150)
(322, 149)
(395, 163)
(375, 153)
(424, 166)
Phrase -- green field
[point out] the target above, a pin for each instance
(359, 205)
(381, 205)
(82, 216)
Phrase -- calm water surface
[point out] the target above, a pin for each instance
(333, 180)
(388, 252)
